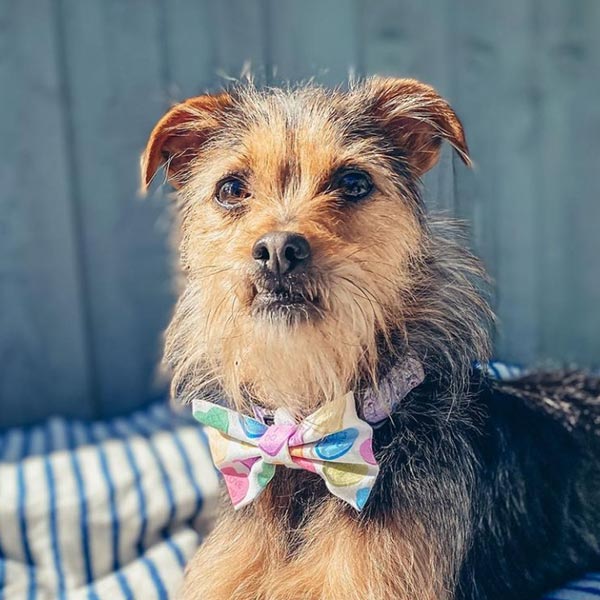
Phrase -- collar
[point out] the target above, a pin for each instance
(376, 404)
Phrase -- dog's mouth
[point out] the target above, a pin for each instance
(285, 303)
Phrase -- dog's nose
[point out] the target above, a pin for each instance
(281, 251)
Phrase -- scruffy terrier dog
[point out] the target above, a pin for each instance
(312, 270)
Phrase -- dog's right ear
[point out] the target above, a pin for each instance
(418, 119)
(178, 137)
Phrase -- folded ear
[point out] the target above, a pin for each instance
(418, 119)
(178, 137)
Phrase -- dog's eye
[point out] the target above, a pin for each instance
(231, 193)
(354, 185)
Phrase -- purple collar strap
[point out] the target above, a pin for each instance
(375, 406)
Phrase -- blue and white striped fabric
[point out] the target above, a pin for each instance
(587, 588)
(502, 370)
(103, 510)
(114, 509)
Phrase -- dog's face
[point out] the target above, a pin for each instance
(302, 231)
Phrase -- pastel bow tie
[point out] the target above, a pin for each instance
(246, 451)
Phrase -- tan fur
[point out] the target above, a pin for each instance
(371, 263)
(359, 280)
(338, 557)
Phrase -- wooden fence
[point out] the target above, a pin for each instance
(85, 276)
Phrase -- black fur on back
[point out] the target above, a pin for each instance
(503, 478)
(508, 485)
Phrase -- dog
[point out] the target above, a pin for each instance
(311, 269)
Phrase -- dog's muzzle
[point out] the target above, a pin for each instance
(281, 278)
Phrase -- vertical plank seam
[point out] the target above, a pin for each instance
(538, 118)
(360, 40)
(266, 10)
(73, 187)
(214, 46)
(450, 50)
(164, 59)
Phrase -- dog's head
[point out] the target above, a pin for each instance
(304, 243)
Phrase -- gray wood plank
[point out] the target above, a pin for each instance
(497, 97)
(189, 44)
(315, 39)
(43, 348)
(242, 39)
(408, 39)
(567, 170)
(116, 83)
(413, 39)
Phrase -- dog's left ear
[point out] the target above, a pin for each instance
(418, 120)
(179, 136)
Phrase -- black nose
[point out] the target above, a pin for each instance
(281, 251)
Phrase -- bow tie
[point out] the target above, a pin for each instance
(246, 451)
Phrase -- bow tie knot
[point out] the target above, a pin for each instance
(275, 445)
(246, 450)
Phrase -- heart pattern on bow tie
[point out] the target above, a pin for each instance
(247, 451)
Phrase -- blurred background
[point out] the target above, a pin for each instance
(85, 264)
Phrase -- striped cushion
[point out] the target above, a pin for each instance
(102, 510)
(114, 509)
(587, 588)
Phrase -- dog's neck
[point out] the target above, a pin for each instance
(444, 326)
(377, 402)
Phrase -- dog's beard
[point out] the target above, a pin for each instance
(298, 357)
(216, 345)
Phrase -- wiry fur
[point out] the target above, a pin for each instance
(469, 503)
(370, 287)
